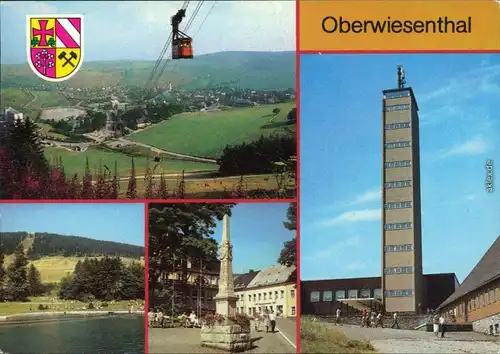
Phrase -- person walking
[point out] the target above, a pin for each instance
(436, 325)
(442, 326)
(379, 321)
(266, 319)
(272, 321)
(395, 321)
(364, 318)
(337, 317)
(372, 319)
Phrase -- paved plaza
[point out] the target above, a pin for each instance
(387, 340)
(187, 340)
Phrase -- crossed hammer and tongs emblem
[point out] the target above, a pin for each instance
(72, 55)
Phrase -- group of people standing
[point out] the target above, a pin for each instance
(267, 319)
(372, 319)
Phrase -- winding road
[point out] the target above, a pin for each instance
(188, 175)
(35, 96)
(160, 151)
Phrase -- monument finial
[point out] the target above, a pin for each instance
(401, 77)
(225, 229)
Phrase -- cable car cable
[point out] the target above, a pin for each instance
(165, 64)
(186, 28)
(197, 31)
(163, 51)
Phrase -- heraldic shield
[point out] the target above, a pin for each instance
(55, 45)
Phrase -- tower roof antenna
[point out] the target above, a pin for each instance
(401, 77)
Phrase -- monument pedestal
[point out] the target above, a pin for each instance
(225, 304)
(229, 337)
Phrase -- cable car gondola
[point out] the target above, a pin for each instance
(181, 43)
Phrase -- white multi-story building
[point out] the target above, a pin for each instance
(11, 115)
(273, 288)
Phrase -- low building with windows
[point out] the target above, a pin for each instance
(195, 285)
(241, 282)
(477, 300)
(324, 297)
(273, 288)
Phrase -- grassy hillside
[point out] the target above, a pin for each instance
(53, 269)
(255, 70)
(14, 98)
(74, 162)
(56, 255)
(207, 133)
(47, 244)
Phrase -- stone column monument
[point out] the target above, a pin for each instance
(228, 336)
(225, 300)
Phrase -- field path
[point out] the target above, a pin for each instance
(160, 151)
(35, 97)
(202, 175)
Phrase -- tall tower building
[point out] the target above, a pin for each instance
(401, 215)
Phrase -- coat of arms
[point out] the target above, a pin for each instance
(55, 45)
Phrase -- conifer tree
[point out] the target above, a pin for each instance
(288, 255)
(132, 183)
(2, 272)
(87, 190)
(17, 288)
(115, 183)
(100, 185)
(34, 281)
(74, 188)
(9, 185)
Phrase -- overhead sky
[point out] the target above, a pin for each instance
(137, 30)
(341, 146)
(257, 234)
(118, 222)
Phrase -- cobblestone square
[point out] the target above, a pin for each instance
(187, 340)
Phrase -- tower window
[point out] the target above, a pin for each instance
(398, 293)
(397, 94)
(398, 107)
(398, 270)
(397, 184)
(398, 248)
(398, 205)
(394, 164)
(397, 144)
(397, 226)
(397, 125)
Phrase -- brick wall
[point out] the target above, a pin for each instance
(477, 305)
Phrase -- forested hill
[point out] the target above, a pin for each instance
(47, 244)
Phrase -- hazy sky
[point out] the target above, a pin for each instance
(137, 30)
(116, 222)
(257, 234)
(459, 100)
